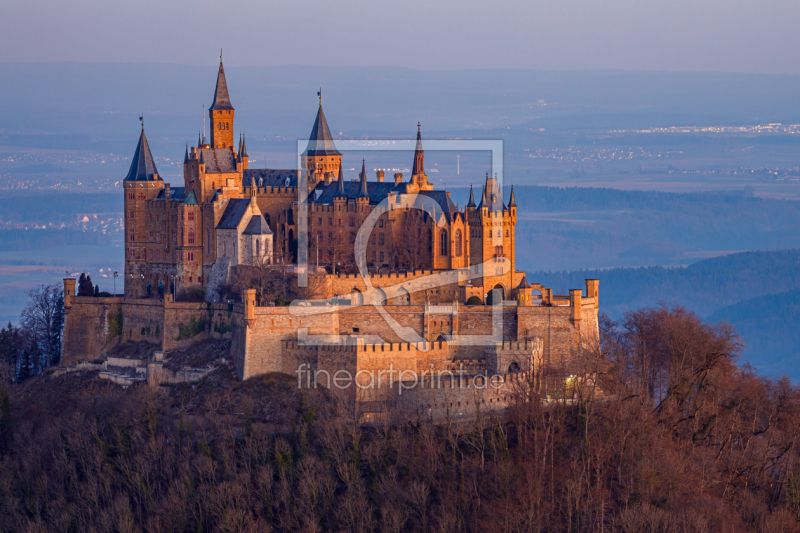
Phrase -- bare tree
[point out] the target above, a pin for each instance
(414, 240)
(43, 317)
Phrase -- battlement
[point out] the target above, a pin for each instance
(358, 346)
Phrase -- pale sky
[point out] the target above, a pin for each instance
(674, 35)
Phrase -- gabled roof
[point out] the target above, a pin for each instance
(268, 177)
(320, 142)
(143, 167)
(234, 211)
(257, 226)
(221, 98)
(217, 160)
(191, 199)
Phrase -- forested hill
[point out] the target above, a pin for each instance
(757, 292)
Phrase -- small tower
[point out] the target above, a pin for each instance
(321, 155)
(140, 185)
(418, 176)
(221, 113)
(524, 291)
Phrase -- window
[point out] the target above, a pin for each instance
(174, 238)
(381, 257)
(132, 257)
(151, 236)
(190, 256)
(381, 240)
(163, 225)
(340, 221)
(506, 233)
(158, 255)
(380, 223)
(130, 214)
(330, 237)
(330, 222)
(190, 216)
(443, 243)
(158, 237)
(258, 248)
(498, 233)
(320, 222)
(373, 238)
(151, 255)
(191, 237)
(132, 236)
(458, 242)
(373, 256)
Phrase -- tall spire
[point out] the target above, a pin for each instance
(340, 184)
(199, 140)
(244, 145)
(511, 201)
(419, 154)
(221, 98)
(320, 142)
(471, 202)
(239, 150)
(186, 155)
(364, 193)
(143, 166)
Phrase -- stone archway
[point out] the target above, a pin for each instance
(514, 368)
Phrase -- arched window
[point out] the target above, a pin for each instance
(191, 237)
(443, 244)
(258, 248)
(458, 242)
(133, 236)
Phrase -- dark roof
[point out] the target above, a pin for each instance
(340, 191)
(143, 167)
(244, 146)
(221, 98)
(217, 160)
(524, 283)
(471, 202)
(191, 199)
(363, 193)
(492, 196)
(377, 191)
(419, 155)
(320, 142)
(234, 212)
(257, 226)
(175, 193)
(186, 155)
(511, 201)
(270, 177)
(443, 199)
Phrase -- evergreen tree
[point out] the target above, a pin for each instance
(97, 290)
(89, 286)
(82, 285)
(57, 331)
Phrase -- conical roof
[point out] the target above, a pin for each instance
(419, 154)
(363, 193)
(143, 167)
(471, 202)
(524, 283)
(511, 201)
(320, 142)
(340, 184)
(244, 146)
(221, 98)
(186, 155)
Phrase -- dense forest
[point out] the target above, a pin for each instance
(667, 434)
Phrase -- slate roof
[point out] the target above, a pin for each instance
(377, 191)
(511, 201)
(191, 199)
(234, 211)
(524, 283)
(270, 177)
(257, 226)
(320, 142)
(175, 193)
(143, 167)
(221, 98)
(492, 196)
(471, 202)
(217, 160)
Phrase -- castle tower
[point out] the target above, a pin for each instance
(140, 185)
(418, 176)
(221, 113)
(493, 226)
(321, 155)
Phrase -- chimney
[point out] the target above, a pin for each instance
(398, 177)
(380, 175)
(166, 191)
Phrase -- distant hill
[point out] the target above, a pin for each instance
(758, 292)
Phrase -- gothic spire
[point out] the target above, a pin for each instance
(239, 149)
(244, 146)
(364, 193)
(340, 184)
(419, 154)
(186, 155)
(221, 98)
(471, 202)
(511, 201)
(320, 141)
(143, 166)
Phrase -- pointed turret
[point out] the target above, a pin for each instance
(471, 202)
(511, 201)
(143, 166)
(244, 146)
(191, 199)
(222, 100)
(199, 140)
(419, 155)
(321, 142)
(186, 156)
(364, 193)
(340, 184)
(239, 149)
(524, 283)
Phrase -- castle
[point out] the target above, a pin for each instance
(397, 263)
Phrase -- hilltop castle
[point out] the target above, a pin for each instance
(399, 260)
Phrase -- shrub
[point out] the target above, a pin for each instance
(474, 300)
